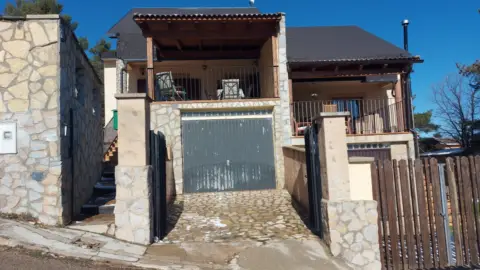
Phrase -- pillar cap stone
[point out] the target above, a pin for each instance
(331, 114)
(358, 160)
(132, 96)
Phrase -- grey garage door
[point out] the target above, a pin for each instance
(228, 151)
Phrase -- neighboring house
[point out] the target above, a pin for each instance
(433, 144)
(51, 120)
(231, 86)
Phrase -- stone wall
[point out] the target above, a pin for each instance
(350, 229)
(29, 96)
(296, 175)
(133, 209)
(81, 95)
(30, 78)
(166, 118)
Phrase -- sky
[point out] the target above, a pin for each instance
(442, 32)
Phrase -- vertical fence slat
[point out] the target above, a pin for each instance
(407, 210)
(377, 196)
(423, 213)
(463, 220)
(428, 188)
(476, 194)
(413, 192)
(468, 202)
(400, 213)
(452, 186)
(383, 194)
(438, 209)
(392, 215)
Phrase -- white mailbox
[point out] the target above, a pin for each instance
(8, 138)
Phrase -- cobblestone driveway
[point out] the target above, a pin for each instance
(227, 216)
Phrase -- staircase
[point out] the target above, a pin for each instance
(103, 196)
(110, 153)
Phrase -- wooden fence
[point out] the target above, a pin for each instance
(413, 200)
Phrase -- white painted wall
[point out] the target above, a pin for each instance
(110, 85)
(360, 181)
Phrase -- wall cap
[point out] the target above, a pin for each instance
(295, 148)
(132, 96)
(43, 16)
(331, 114)
(357, 160)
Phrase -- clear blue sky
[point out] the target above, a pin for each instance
(442, 32)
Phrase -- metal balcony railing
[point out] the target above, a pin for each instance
(214, 83)
(367, 116)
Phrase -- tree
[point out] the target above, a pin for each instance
(96, 59)
(457, 103)
(472, 72)
(423, 122)
(25, 7)
(83, 41)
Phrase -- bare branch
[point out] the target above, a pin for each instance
(457, 103)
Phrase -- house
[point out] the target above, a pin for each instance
(432, 144)
(231, 86)
(51, 120)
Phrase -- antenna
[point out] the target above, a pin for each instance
(252, 3)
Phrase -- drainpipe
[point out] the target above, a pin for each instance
(407, 86)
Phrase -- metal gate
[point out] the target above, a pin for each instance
(158, 151)
(314, 180)
(228, 151)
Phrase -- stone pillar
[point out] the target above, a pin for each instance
(283, 83)
(350, 226)
(133, 175)
(133, 129)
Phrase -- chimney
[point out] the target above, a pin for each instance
(405, 34)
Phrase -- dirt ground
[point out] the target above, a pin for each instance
(14, 258)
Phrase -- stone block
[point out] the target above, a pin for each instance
(16, 64)
(17, 48)
(39, 35)
(18, 105)
(20, 90)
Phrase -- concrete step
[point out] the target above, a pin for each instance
(106, 209)
(108, 174)
(107, 180)
(95, 204)
(101, 189)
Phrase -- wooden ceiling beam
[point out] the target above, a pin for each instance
(214, 35)
(206, 55)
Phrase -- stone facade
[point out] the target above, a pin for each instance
(31, 88)
(351, 231)
(166, 118)
(133, 207)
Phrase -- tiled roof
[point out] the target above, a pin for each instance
(127, 25)
(331, 44)
(317, 44)
(200, 16)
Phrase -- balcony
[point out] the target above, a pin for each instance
(191, 81)
(367, 116)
